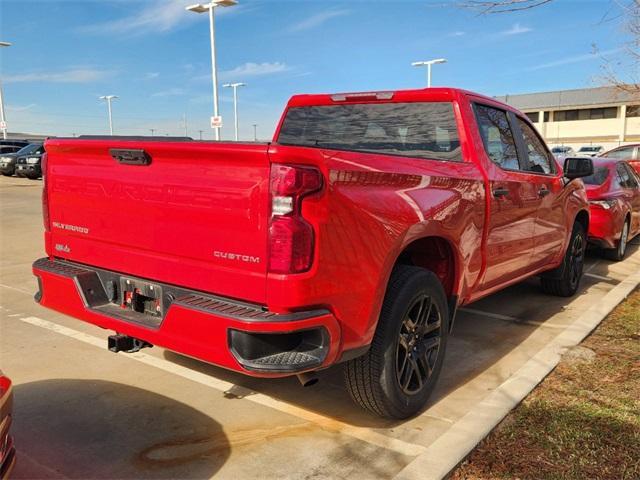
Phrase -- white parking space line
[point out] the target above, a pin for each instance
(448, 450)
(17, 289)
(592, 266)
(324, 422)
(497, 316)
(599, 277)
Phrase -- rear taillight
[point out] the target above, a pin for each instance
(45, 193)
(291, 237)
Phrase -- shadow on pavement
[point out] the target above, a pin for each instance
(477, 343)
(95, 429)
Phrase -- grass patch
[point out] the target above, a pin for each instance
(582, 421)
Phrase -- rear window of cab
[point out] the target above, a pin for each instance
(421, 130)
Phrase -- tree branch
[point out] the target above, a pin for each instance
(502, 6)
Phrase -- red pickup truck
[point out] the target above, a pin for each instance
(351, 238)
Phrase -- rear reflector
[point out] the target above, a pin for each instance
(291, 237)
(291, 245)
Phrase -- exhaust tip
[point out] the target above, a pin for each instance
(307, 379)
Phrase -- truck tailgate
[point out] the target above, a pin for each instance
(195, 216)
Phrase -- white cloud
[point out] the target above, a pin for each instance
(151, 75)
(251, 69)
(73, 75)
(457, 34)
(155, 17)
(574, 59)
(20, 108)
(517, 29)
(317, 20)
(172, 92)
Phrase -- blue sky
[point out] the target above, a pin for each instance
(155, 56)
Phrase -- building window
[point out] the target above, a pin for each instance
(585, 114)
(533, 116)
(633, 110)
(546, 116)
(565, 115)
(600, 113)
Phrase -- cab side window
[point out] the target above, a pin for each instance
(538, 159)
(497, 137)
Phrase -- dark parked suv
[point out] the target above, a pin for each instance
(29, 160)
(8, 151)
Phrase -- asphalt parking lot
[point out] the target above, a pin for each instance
(83, 412)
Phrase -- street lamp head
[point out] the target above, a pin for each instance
(204, 8)
(429, 62)
(108, 97)
(234, 85)
(5, 44)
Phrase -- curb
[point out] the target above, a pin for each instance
(450, 449)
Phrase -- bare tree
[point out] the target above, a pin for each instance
(503, 6)
(629, 83)
(612, 70)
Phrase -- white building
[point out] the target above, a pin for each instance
(603, 116)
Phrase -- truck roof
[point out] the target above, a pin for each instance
(389, 96)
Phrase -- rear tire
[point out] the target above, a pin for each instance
(565, 280)
(617, 254)
(396, 376)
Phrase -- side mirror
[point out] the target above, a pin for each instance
(578, 167)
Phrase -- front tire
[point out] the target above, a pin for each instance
(617, 254)
(565, 280)
(395, 378)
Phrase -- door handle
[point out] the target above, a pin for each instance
(543, 192)
(501, 192)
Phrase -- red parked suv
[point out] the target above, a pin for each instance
(352, 238)
(7, 450)
(614, 196)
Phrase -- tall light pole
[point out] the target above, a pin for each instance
(255, 132)
(235, 103)
(3, 119)
(109, 98)
(204, 8)
(428, 64)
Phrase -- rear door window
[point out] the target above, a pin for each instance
(497, 136)
(423, 130)
(624, 178)
(538, 159)
(633, 178)
(600, 174)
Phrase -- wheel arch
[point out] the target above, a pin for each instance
(439, 255)
(434, 253)
(582, 217)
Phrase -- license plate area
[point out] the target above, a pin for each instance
(142, 297)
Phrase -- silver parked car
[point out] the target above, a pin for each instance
(590, 150)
